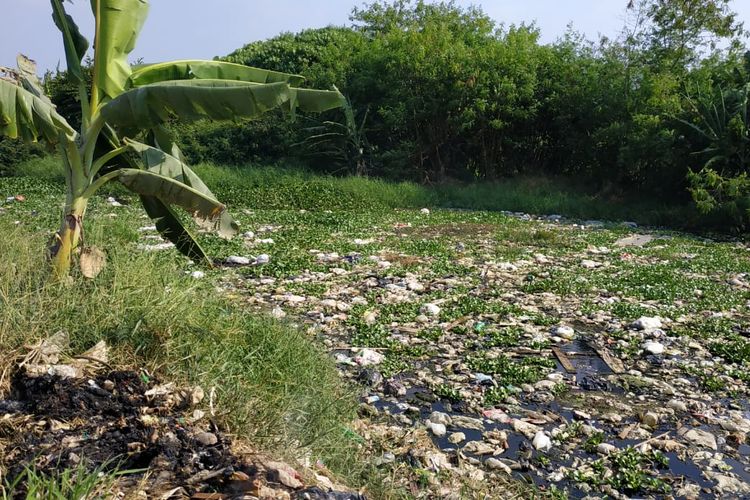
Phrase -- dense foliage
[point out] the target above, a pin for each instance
(661, 109)
(440, 92)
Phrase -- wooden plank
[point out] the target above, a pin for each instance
(614, 363)
(564, 360)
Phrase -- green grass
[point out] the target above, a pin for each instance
(278, 187)
(79, 483)
(559, 196)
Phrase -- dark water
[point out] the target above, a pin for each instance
(592, 373)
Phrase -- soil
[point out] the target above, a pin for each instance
(123, 420)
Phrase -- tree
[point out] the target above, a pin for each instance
(122, 133)
(676, 33)
(419, 77)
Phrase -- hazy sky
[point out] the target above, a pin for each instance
(200, 29)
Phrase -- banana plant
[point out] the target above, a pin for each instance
(122, 136)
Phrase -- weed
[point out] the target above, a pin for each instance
(539, 344)
(543, 460)
(593, 441)
(712, 383)
(393, 365)
(506, 337)
(629, 311)
(734, 349)
(433, 334)
(376, 335)
(444, 391)
(630, 468)
(560, 388)
(556, 493)
(470, 305)
(494, 396)
(541, 319)
(509, 372)
(66, 484)
(570, 431)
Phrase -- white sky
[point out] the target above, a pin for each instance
(200, 29)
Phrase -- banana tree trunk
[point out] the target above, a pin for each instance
(66, 240)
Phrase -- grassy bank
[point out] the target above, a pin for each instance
(289, 188)
(273, 386)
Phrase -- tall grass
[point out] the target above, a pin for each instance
(272, 384)
(547, 196)
(280, 187)
(283, 188)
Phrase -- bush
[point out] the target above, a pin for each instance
(323, 56)
(14, 152)
(268, 139)
(724, 198)
(719, 129)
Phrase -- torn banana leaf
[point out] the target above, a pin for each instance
(159, 162)
(190, 100)
(205, 209)
(119, 23)
(22, 114)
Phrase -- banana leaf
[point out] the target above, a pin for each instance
(75, 44)
(152, 105)
(28, 77)
(118, 24)
(204, 208)
(170, 227)
(22, 114)
(159, 162)
(163, 139)
(168, 223)
(315, 101)
(207, 70)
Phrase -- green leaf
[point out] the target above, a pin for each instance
(168, 223)
(207, 70)
(151, 105)
(118, 23)
(159, 162)
(163, 139)
(316, 101)
(22, 114)
(75, 44)
(206, 209)
(155, 104)
(170, 227)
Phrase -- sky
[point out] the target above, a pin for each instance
(200, 29)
